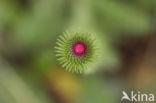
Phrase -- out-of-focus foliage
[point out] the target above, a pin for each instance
(28, 32)
(118, 16)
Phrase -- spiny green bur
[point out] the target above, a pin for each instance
(76, 51)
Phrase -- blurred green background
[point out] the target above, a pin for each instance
(29, 72)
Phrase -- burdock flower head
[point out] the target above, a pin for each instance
(76, 51)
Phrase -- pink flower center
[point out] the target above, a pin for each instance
(79, 49)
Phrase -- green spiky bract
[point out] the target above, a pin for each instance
(66, 57)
